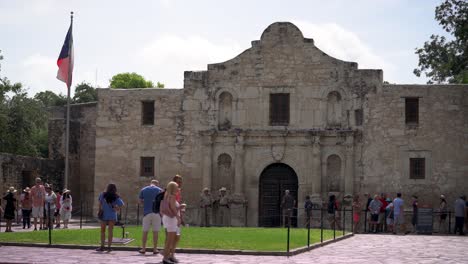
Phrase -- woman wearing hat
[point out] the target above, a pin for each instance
(443, 214)
(9, 214)
(65, 207)
(26, 207)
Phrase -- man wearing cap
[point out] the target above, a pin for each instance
(205, 207)
(223, 210)
(151, 220)
(460, 208)
(38, 199)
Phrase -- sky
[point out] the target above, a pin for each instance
(160, 39)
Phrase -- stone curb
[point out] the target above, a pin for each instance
(189, 250)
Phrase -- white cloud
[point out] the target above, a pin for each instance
(169, 56)
(343, 44)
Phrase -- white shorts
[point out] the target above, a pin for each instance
(151, 220)
(38, 212)
(170, 223)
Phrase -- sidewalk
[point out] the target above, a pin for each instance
(372, 249)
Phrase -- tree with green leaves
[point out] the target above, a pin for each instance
(445, 60)
(23, 121)
(131, 80)
(49, 98)
(84, 93)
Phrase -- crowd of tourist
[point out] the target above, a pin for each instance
(386, 214)
(46, 207)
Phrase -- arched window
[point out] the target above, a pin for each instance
(334, 109)
(333, 173)
(225, 173)
(225, 111)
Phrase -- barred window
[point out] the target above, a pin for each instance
(147, 113)
(279, 109)
(417, 168)
(411, 111)
(147, 166)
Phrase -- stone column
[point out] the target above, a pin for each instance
(207, 160)
(316, 166)
(239, 165)
(349, 165)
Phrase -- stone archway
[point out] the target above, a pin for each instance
(274, 180)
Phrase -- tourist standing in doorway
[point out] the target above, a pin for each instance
(109, 204)
(356, 212)
(206, 201)
(460, 208)
(443, 214)
(414, 218)
(398, 214)
(10, 208)
(287, 206)
(26, 207)
(38, 199)
(151, 220)
(66, 207)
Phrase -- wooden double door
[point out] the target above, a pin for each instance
(274, 181)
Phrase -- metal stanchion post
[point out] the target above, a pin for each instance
(365, 221)
(126, 211)
(352, 220)
(87, 212)
(81, 214)
(321, 225)
(138, 214)
(334, 226)
(245, 218)
(50, 224)
(450, 222)
(289, 227)
(344, 221)
(308, 231)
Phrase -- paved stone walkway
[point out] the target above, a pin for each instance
(373, 249)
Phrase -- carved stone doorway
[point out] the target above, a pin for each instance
(274, 180)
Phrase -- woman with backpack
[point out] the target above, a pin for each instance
(333, 213)
(109, 205)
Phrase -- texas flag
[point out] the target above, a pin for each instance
(65, 60)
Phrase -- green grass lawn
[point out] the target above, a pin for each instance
(235, 238)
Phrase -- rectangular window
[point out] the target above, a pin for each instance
(417, 168)
(279, 109)
(147, 166)
(412, 111)
(358, 117)
(147, 113)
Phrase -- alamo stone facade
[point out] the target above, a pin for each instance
(281, 115)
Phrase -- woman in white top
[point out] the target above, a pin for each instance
(171, 220)
(66, 207)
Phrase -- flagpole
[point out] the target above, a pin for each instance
(67, 134)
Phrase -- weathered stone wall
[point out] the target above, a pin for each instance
(20, 171)
(82, 149)
(440, 138)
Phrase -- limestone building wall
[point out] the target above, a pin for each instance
(440, 137)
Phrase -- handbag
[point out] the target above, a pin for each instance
(166, 209)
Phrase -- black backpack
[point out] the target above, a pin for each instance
(157, 202)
